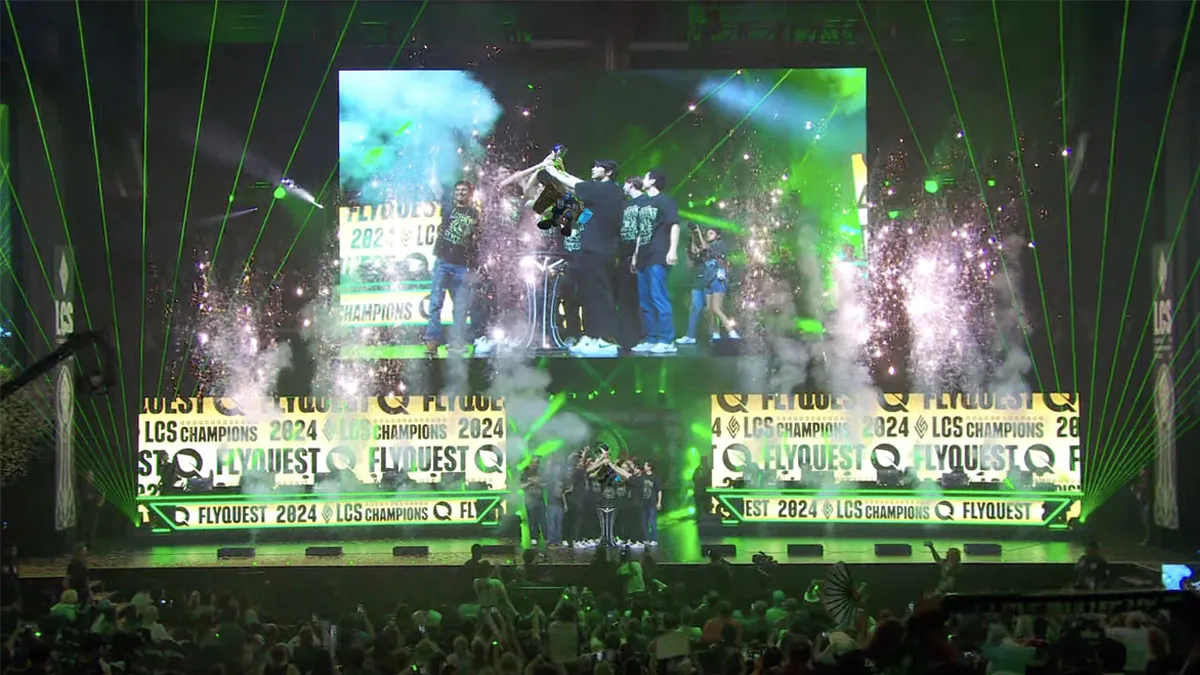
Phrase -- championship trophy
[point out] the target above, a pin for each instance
(558, 209)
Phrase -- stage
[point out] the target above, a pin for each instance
(282, 575)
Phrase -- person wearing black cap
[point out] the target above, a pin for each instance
(603, 205)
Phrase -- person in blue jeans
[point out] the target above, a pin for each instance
(557, 505)
(713, 282)
(697, 303)
(651, 504)
(455, 252)
(653, 256)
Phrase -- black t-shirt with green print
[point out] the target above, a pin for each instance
(629, 225)
(456, 236)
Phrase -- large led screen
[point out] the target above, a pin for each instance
(642, 214)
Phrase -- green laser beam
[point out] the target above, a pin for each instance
(262, 86)
(145, 197)
(1062, 78)
(296, 147)
(1137, 249)
(62, 212)
(729, 134)
(112, 288)
(896, 90)
(979, 181)
(679, 119)
(1037, 265)
(412, 27)
(1112, 155)
(187, 200)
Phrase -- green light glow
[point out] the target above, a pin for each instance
(279, 193)
(932, 185)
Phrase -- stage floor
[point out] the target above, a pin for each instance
(677, 549)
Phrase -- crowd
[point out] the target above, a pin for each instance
(628, 623)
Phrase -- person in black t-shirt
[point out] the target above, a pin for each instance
(455, 250)
(701, 482)
(1092, 572)
(91, 503)
(535, 501)
(655, 253)
(1143, 492)
(603, 206)
(630, 331)
(78, 575)
(651, 503)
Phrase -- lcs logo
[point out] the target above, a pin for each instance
(1061, 402)
(733, 403)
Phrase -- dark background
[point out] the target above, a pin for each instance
(47, 62)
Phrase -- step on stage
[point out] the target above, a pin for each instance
(421, 570)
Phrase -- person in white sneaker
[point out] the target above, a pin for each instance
(630, 332)
(655, 254)
(603, 205)
(698, 300)
(716, 277)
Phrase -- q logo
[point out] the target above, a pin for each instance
(733, 403)
(393, 405)
(736, 457)
(340, 458)
(1060, 402)
(1039, 459)
(943, 510)
(190, 469)
(179, 515)
(228, 407)
(893, 403)
(442, 511)
(489, 459)
(885, 450)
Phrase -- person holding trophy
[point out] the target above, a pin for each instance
(602, 205)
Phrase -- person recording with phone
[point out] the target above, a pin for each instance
(603, 204)
(710, 248)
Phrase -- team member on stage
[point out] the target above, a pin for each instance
(502, 241)
(655, 253)
(713, 251)
(630, 331)
(606, 474)
(603, 205)
(455, 251)
(651, 504)
(535, 501)
(699, 283)
(570, 287)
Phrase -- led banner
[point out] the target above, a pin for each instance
(764, 439)
(386, 235)
(1166, 501)
(300, 441)
(345, 511)
(64, 391)
(400, 307)
(902, 507)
